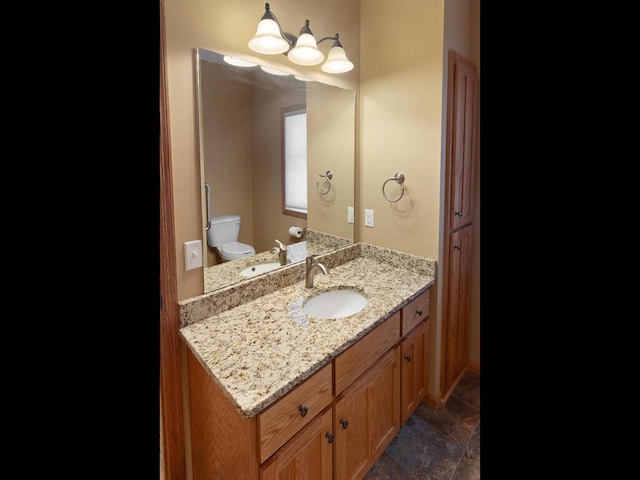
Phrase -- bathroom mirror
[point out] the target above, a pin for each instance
(241, 129)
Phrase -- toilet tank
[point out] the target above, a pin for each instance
(223, 229)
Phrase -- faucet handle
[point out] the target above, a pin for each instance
(281, 245)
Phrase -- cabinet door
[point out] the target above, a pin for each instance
(415, 312)
(307, 456)
(415, 348)
(463, 125)
(279, 422)
(458, 302)
(367, 417)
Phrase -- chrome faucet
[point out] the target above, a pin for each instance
(281, 250)
(311, 266)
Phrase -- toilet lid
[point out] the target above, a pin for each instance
(237, 248)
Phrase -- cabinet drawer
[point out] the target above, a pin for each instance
(354, 361)
(414, 312)
(286, 417)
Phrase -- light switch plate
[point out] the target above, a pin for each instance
(368, 217)
(192, 254)
(350, 214)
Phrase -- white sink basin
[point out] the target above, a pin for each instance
(337, 303)
(259, 268)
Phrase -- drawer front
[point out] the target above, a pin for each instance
(354, 361)
(414, 312)
(288, 415)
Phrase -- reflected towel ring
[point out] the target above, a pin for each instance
(398, 177)
(328, 176)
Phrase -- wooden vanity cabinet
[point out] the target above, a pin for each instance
(414, 371)
(223, 442)
(308, 455)
(353, 408)
(414, 351)
(367, 418)
(414, 312)
(279, 422)
(367, 386)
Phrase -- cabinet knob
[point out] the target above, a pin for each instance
(457, 247)
(419, 312)
(459, 213)
(303, 410)
(407, 358)
(344, 423)
(329, 436)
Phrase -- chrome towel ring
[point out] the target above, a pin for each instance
(398, 177)
(328, 176)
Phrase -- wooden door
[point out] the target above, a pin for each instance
(367, 418)
(459, 295)
(172, 448)
(461, 151)
(464, 139)
(307, 456)
(414, 358)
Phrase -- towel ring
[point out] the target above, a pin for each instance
(398, 177)
(328, 176)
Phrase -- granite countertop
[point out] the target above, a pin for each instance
(261, 349)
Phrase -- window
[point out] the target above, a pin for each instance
(294, 161)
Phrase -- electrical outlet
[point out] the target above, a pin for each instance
(368, 218)
(192, 254)
(350, 215)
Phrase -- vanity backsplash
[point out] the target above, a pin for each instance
(204, 306)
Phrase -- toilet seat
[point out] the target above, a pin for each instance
(235, 250)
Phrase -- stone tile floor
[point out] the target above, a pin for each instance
(442, 444)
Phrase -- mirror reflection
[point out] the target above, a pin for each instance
(277, 168)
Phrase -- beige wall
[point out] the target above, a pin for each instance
(400, 122)
(270, 222)
(226, 111)
(402, 130)
(331, 117)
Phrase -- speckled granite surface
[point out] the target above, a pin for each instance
(263, 347)
(315, 243)
(203, 306)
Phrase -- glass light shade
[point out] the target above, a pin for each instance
(268, 39)
(273, 71)
(237, 62)
(306, 51)
(337, 61)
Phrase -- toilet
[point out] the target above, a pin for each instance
(223, 235)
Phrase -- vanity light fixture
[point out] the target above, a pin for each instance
(302, 50)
